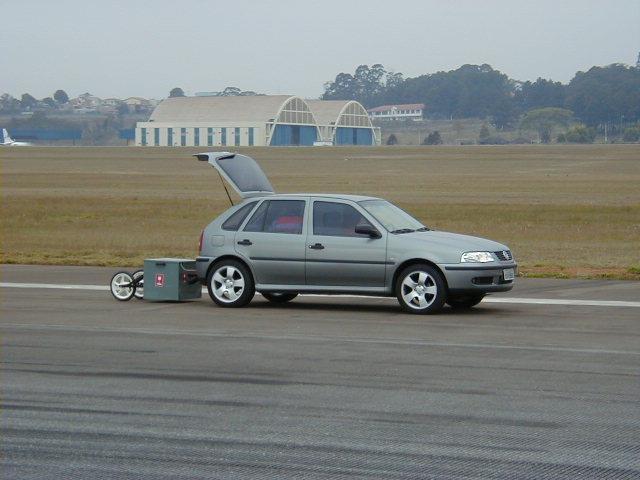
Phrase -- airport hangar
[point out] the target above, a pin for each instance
(276, 120)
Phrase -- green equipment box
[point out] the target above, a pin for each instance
(171, 279)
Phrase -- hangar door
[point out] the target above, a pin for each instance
(293, 135)
(354, 136)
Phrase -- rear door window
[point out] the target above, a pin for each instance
(278, 216)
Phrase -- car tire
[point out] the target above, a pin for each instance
(421, 289)
(230, 284)
(464, 303)
(279, 297)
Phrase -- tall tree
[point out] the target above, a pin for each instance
(469, 91)
(393, 80)
(50, 102)
(368, 85)
(9, 104)
(342, 88)
(605, 94)
(539, 94)
(61, 97)
(176, 92)
(28, 101)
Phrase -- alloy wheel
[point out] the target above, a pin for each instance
(419, 290)
(227, 284)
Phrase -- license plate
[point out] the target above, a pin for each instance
(509, 274)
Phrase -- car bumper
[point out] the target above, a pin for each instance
(478, 278)
(202, 267)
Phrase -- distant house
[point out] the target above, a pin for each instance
(110, 105)
(412, 111)
(111, 102)
(85, 103)
(137, 104)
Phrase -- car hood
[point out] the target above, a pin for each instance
(454, 241)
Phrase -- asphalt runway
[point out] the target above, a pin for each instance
(319, 388)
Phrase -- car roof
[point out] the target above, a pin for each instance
(337, 196)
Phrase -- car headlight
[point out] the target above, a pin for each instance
(477, 257)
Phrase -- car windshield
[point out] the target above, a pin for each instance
(391, 217)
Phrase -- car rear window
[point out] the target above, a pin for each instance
(235, 220)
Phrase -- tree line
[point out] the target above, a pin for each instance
(27, 102)
(601, 95)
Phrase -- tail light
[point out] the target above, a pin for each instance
(201, 239)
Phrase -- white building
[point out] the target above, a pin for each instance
(85, 103)
(412, 111)
(277, 120)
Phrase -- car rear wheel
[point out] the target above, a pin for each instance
(230, 284)
(420, 289)
(463, 303)
(279, 297)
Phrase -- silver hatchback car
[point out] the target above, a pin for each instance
(285, 244)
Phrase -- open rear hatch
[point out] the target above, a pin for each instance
(240, 171)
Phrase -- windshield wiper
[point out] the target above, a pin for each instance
(403, 230)
(423, 229)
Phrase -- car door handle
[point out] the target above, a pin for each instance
(316, 246)
(246, 241)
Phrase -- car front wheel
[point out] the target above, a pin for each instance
(230, 284)
(421, 289)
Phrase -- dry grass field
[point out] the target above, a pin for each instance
(564, 210)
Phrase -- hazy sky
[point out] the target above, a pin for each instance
(126, 48)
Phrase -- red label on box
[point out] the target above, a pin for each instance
(160, 280)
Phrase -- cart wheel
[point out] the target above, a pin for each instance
(122, 287)
(138, 279)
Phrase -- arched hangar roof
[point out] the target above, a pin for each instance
(254, 108)
(346, 113)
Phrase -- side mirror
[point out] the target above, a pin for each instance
(369, 230)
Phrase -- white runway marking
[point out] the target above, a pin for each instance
(511, 300)
(55, 286)
(562, 301)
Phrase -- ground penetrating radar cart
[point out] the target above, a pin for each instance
(162, 279)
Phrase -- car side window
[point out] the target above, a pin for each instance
(337, 219)
(235, 220)
(256, 222)
(278, 216)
